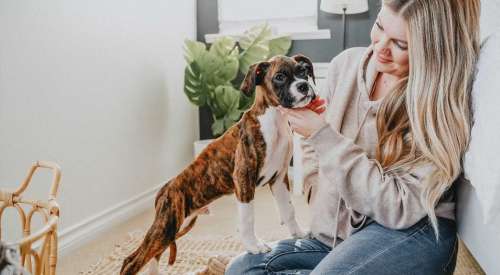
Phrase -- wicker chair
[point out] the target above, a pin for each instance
(40, 258)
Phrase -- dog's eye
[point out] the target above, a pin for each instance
(280, 78)
(302, 73)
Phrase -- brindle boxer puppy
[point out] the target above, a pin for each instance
(254, 152)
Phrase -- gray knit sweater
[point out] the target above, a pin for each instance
(347, 186)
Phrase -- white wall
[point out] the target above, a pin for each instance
(95, 86)
(490, 20)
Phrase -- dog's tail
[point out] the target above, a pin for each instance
(173, 246)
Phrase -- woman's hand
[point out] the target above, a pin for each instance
(307, 120)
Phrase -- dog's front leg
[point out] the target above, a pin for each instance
(247, 230)
(285, 207)
(244, 176)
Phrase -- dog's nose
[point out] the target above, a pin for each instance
(303, 88)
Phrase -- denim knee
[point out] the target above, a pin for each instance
(246, 263)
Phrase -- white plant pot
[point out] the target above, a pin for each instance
(199, 145)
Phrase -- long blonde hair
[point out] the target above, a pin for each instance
(427, 117)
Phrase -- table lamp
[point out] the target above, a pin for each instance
(344, 7)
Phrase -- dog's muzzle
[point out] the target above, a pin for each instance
(303, 92)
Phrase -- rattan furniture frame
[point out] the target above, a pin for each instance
(38, 250)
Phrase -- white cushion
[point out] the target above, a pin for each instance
(482, 161)
(490, 19)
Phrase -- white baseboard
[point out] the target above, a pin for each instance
(77, 235)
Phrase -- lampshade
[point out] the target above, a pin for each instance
(338, 6)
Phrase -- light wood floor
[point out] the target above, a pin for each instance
(221, 221)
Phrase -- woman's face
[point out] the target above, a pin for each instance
(390, 43)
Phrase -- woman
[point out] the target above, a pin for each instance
(381, 161)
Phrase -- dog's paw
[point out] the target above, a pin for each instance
(257, 247)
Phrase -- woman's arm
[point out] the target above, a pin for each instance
(391, 199)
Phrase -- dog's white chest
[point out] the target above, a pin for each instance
(279, 141)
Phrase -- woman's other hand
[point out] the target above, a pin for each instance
(306, 120)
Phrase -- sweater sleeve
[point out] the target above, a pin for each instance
(392, 200)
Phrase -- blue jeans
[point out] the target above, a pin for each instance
(373, 250)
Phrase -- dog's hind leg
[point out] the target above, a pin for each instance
(160, 235)
(154, 268)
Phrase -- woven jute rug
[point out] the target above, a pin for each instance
(193, 254)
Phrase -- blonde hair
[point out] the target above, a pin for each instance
(427, 117)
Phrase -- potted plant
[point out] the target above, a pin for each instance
(213, 76)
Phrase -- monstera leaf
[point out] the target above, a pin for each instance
(255, 45)
(225, 49)
(194, 84)
(218, 127)
(193, 50)
(222, 124)
(246, 101)
(223, 46)
(279, 46)
(227, 101)
(210, 64)
(207, 61)
(210, 74)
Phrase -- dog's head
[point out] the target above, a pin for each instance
(286, 81)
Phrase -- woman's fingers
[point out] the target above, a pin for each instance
(315, 103)
(294, 120)
(295, 113)
(319, 102)
(320, 109)
(301, 112)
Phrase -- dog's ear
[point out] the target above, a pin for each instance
(255, 76)
(307, 63)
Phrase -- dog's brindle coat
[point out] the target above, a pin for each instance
(253, 152)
